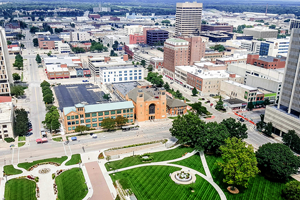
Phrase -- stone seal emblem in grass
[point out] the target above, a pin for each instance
(183, 177)
(44, 171)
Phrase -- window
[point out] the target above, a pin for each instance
(130, 78)
(112, 112)
(87, 115)
(125, 79)
(73, 122)
(120, 79)
(106, 117)
(94, 114)
(135, 70)
(69, 128)
(135, 78)
(124, 111)
(124, 115)
(100, 119)
(119, 111)
(73, 127)
(113, 117)
(131, 115)
(120, 74)
(76, 116)
(69, 123)
(140, 77)
(88, 125)
(140, 70)
(77, 122)
(81, 116)
(100, 113)
(99, 124)
(68, 117)
(106, 112)
(94, 125)
(87, 120)
(81, 121)
(94, 119)
(131, 110)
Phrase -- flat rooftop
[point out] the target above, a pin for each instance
(122, 67)
(6, 112)
(125, 87)
(69, 95)
(240, 85)
(234, 101)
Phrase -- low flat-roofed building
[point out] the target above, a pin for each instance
(121, 89)
(6, 120)
(57, 72)
(91, 116)
(267, 62)
(261, 32)
(176, 107)
(235, 104)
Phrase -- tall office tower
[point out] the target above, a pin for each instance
(5, 68)
(294, 23)
(188, 18)
(285, 116)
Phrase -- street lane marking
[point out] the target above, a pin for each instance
(64, 149)
(70, 149)
(37, 108)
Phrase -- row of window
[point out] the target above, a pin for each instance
(100, 119)
(120, 72)
(125, 79)
(101, 113)
(93, 125)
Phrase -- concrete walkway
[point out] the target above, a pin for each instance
(207, 177)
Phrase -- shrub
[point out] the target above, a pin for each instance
(36, 179)
(9, 140)
(53, 176)
(101, 156)
(292, 190)
(148, 159)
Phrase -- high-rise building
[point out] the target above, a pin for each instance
(5, 68)
(285, 116)
(294, 23)
(182, 51)
(188, 18)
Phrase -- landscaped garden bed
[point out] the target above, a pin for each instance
(52, 161)
(71, 185)
(20, 144)
(20, 188)
(157, 157)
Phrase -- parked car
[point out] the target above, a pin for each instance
(66, 142)
(85, 80)
(242, 120)
(94, 136)
(73, 138)
(30, 129)
(28, 134)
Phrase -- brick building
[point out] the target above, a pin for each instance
(48, 42)
(145, 29)
(176, 107)
(217, 27)
(267, 62)
(91, 116)
(136, 39)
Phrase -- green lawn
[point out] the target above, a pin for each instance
(173, 117)
(74, 159)
(258, 188)
(27, 165)
(22, 138)
(71, 185)
(10, 170)
(58, 139)
(20, 144)
(193, 162)
(21, 189)
(154, 182)
(157, 157)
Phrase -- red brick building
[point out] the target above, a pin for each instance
(94, 16)
(145, 29)
(267, 62)
(128, 51)
(48, 42)
(136, 39)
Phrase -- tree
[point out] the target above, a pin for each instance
(48, 99)
(165, 21)
(155, 79)
(22, 45)
(291, 190)
(20, 122)
(292, 140)
(239, 162)
(8, 42)
(120, 120)
(261, 124)
(188, 129)
(143, 63)
(38, 58)
(194, 91)
(106, 97)
(58, 30)
(235, 128)
(156, 24)
(72, 25)
(277, 161)
(81, 129)
(78, 50)
(167, 86)
(250, 105)
(268, 129)
(47, 91)
(150, 68)
(49, 53)
(133, 62)
(16, 76)
(178, 94)
(52, 119)
(108, 124)
(215, 136)
(17, 90)
(272, 26)
(267, 102)
(35, 42)
(115, 45)
(112, 53)
(204, 22)
(34, 29)
(45, 83)
(19, 36)
(219, 105)
(199, 109)
(218, 47)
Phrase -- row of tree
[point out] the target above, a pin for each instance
(20, 122)
(98, 46)
(47, 92)
(18, 62)
(38, 58)
(52, 119)
(155, 79)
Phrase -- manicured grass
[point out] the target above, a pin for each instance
(258, 188)
(154, 182)
(193, 162)
(22, 189)
(10, 170)
(173, 117)
(20, 144)
(157, 157)
(71, 185)
(74, 159)
(22, 138)
(58, 139)
(27, 165)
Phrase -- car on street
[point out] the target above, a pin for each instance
(30, 129)
(94, 135)
(66, 142)
(85, 81)
(242, 120)
(28, 134)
